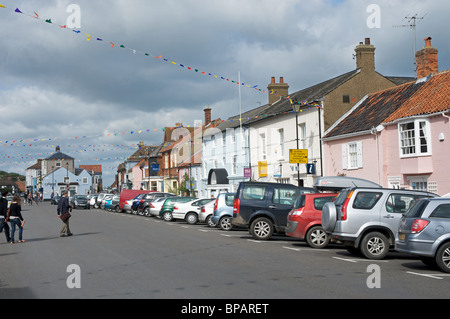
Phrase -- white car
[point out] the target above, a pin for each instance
(207, 212)
(155, 206)
(189, 211)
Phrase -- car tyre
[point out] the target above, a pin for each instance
(317, 238)
(209, 221)
(192, 218)
(375, 246)
(167, 216)
(261, 228)
(225, 223)
(147, 212)
(443, 258)
(118, 210)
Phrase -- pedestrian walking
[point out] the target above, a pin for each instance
(3, 214)
(15, 219)
(64, 210)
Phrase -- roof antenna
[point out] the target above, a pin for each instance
(412, 24)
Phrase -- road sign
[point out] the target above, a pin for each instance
(298, 156)
(311, 169)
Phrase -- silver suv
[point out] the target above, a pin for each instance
(424, 231)
(366, 219)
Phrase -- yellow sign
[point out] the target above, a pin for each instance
(262, 168)
(298, 156)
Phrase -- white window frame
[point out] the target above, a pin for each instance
(281, 141)
(352, 157)
(409, 141)
(263, 146)
(418, 182)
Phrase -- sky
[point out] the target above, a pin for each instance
(96, 101)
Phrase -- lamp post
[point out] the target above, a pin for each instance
(296, 109)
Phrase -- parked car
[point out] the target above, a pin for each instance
(98, 202)
(304, 221)
(190, 210)
(55, 200)
(425, 231)
(206, 213)
(223, 211)
(144, 203)
(79, 201)
(155, 207)
(128, 205)
(167, 207)
(263, 207)
(135, 203)
(366, 219)
(106, 201)
(127, 194)
(93, 201)
(115, 201)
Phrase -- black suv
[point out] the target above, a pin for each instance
(263, 207)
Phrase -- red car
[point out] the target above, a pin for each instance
(305, 219)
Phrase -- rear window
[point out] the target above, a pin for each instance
(254, 192)
(442, 211)
(366, 200)
(320, 201)
(229, 200)
(417, 208)
(340, 198)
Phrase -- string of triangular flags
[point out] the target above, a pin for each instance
(112, 44)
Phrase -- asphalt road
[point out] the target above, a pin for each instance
(121, 256)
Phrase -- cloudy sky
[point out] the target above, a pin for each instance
(58, 88)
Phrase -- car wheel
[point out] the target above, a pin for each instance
(261, 228)
(375, 246)
(147, 212)
(192, 218)
(209, 221)
(225, 223)
(118, 210)
(443, 258)
(316, 237)
(167, 216)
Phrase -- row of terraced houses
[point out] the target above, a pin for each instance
(392, 130)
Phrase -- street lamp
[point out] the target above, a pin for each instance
(296, 108)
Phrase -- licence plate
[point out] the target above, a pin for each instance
(401, 236)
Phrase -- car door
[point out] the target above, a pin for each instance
(283, 199)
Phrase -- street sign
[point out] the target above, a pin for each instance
(298, 156)
(262, 169)
(311, 169)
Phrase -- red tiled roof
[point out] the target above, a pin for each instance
(433, 97)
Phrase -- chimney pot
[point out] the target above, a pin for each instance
(428, 42)
(273, 80)
(367, 41)
(281, 80)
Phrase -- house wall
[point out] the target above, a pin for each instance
(277, 155)
(433, 169)
(371, 162)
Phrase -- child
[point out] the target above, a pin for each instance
(15, 219)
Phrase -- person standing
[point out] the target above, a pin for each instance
(64, 207)
(3, 214)
(15, 219)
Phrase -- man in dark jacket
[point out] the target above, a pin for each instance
(3, 214)
(64, 207)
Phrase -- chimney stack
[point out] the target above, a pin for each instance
(427, 60)
(277, 90)
(365, 56)
(207, 116)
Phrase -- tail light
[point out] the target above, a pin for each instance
(141, 201)
(175, 208)
(203, 209)
(344, 206)
(236, 206)
(297, 212)
(418, 225)
(216, 204)
(151, 205)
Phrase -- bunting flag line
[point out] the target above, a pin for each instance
(161, 58)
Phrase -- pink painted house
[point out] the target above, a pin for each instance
(398, 137)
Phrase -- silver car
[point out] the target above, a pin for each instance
(366, 219)
(425, 231)
(223, 211)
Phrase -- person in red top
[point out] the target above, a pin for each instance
(15, 219)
